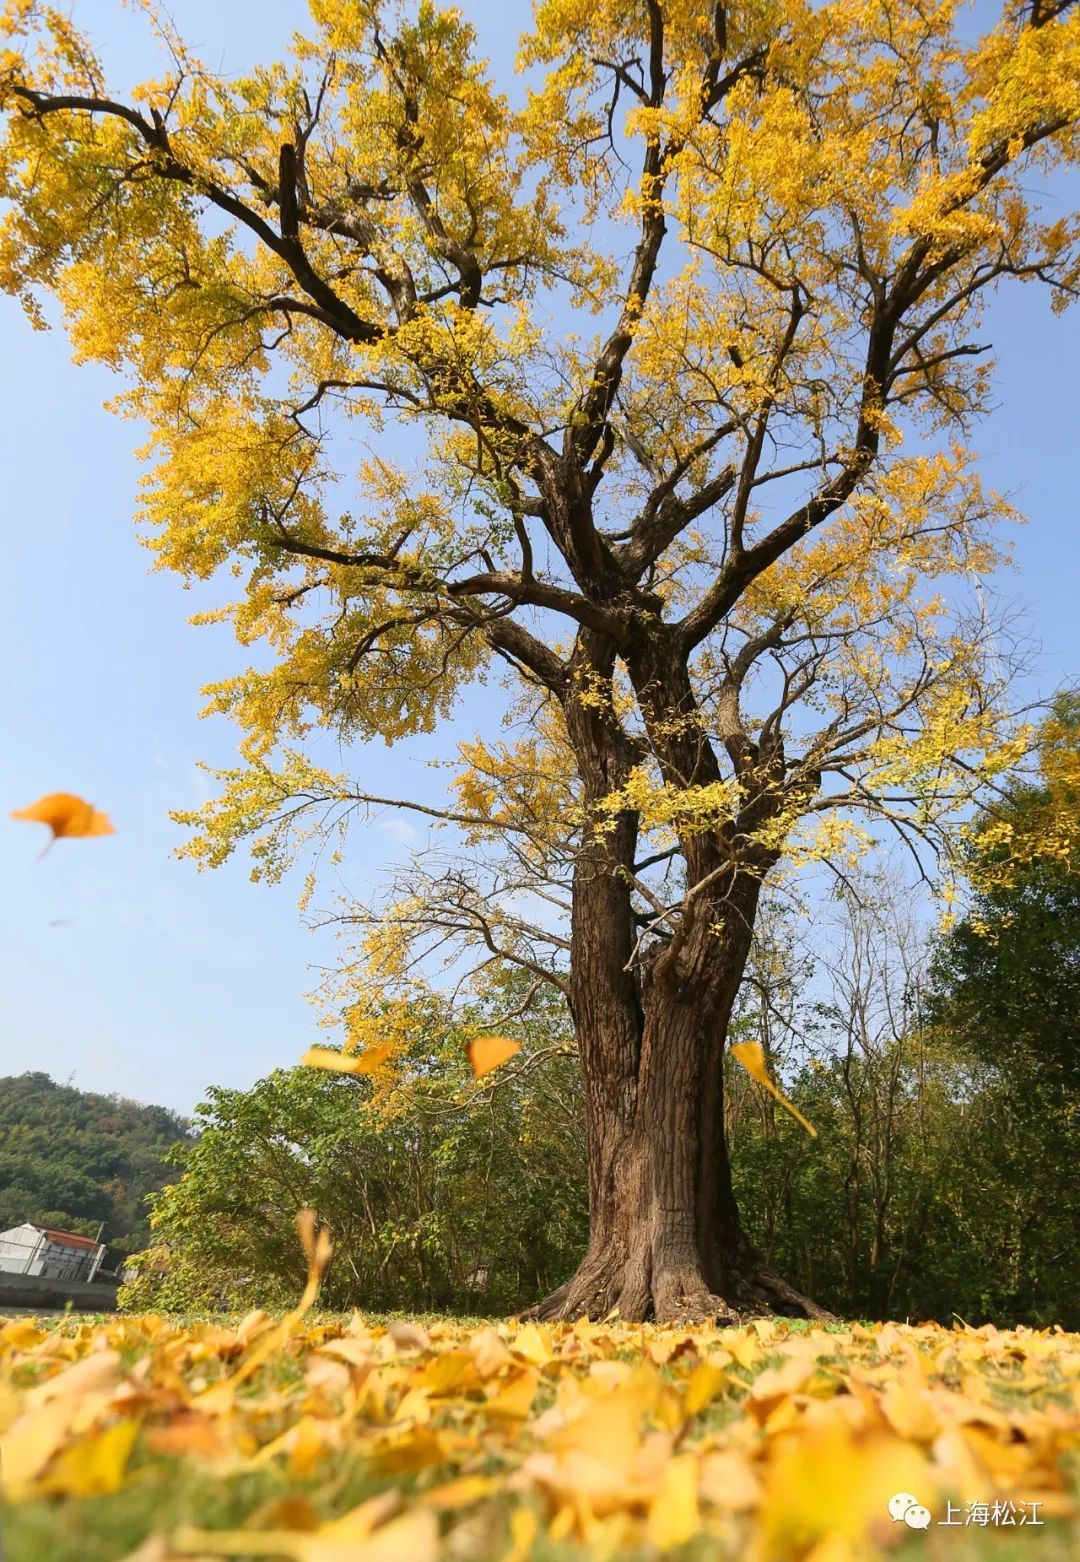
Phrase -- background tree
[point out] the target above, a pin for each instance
(670, 498)
(1007, 976)
(79, 1161)
(940, 1184)
(461, 1197)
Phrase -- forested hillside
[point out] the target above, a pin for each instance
(73, 1159)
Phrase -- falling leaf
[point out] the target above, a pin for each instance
(315, 1241)
(67, 815)
(318, 1251)
(487, 1052)
(418, 1449)
(196, 1435)
(414, 1537)
(359, 1522)
(489, 1351)
(449, 1373)
(728, 1481)
(463, 1493)
(356, 1352)
(153, 1549)
(365, 1062)
(752, 1058)
(776, 1383)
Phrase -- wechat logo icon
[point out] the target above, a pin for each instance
(909, 1509)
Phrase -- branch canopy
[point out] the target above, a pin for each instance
(666, 360)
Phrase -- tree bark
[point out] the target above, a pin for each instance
(665, 1239)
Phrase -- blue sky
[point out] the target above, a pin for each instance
(120, 966)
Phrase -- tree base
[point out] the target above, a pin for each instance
(637, 1292)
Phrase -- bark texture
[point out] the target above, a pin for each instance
(666, 1241)
(652, 1018)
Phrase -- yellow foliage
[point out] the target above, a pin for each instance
(762, 1440)
(712, 510)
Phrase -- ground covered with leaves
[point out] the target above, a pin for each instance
(316, 1439)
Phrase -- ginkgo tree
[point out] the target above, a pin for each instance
(667, 363)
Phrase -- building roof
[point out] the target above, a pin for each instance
(67, 1238)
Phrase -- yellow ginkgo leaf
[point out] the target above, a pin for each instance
(487, 1052)
(752, 1058)
(365, 1062)
(28, 1445)
(93, 1466)
(674, 1517)
(523, 1531)
(66, 814)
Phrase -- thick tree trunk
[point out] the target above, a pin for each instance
(666, 1242)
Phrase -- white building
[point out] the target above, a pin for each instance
(55, 1255)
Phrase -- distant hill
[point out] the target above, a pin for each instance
(72, 1159)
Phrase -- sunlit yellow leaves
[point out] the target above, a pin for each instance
(490, 1052)
(31, 1441)
(66, 815)
(94, 1466)
(705, 1383)
(1045, 828)
(800, 165)
(514, 1400)
(674, 1517)
(910, 1412)
(690, 810)
(766, 1440)
(833, 1485)
(752, 1058)
(366, 1062)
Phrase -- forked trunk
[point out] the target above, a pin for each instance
(665, 1240)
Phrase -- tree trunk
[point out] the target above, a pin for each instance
(666, 1242)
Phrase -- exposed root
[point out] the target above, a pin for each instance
(776, 1296)
(625, 1285)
